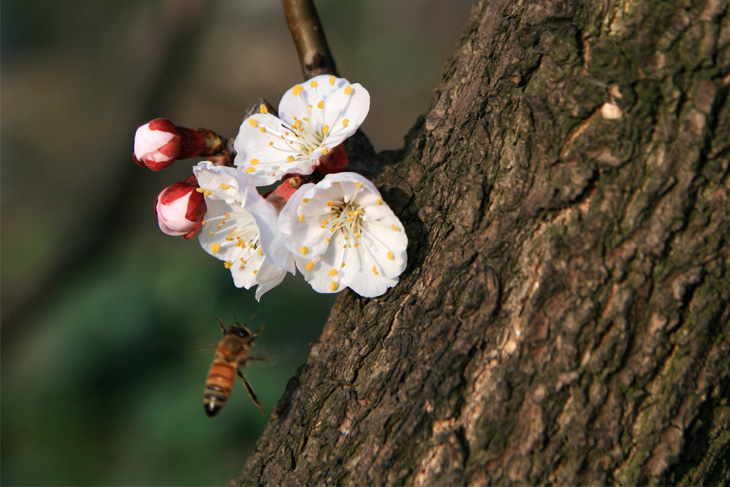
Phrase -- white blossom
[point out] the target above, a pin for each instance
(342, 234)
(314, 118)
(240, 228)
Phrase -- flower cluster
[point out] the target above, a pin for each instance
(331, 225)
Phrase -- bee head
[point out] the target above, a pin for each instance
(241, 331)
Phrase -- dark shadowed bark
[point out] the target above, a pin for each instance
(564, 317)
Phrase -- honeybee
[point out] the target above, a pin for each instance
(231, 353)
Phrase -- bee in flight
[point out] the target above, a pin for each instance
(231, 353)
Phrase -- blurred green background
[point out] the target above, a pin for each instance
(108, 326)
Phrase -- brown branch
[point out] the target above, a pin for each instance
(306, 30)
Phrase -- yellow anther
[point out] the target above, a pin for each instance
(249, 169)
(343, 265)
(271, 143)
(255, 272)
(260, 251)
(262, 129)
(263, 109)
(325, 129)
(333, 285)
(379, 201)
(290, 159)
(228, 264)
(348, 90)
(301, 217)
(390, 255)
(330, 203)
(215, 248)
(210, 233)
(297, 90)
(333, 272)
(309, 266)
(332, 80)
(254, 162)
(328, 239)
(253, 122)
(304, 250)
(227, 215)
(313, 84)
(320, 104)
(325, 222)
(358, 185)
(345, 123)
(324, 150)
(375, 271)
(203, 222)
(305, 200)
(351, 212)
(395, 228)
(310, 150)
(224, 187)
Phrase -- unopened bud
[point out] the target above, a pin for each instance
(159, 143)
(180, 208)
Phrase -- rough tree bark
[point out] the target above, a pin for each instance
(564, 317)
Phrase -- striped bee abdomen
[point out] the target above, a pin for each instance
(218, 386)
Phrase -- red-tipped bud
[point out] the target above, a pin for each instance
(334, 161)
(158, 143)
(180, 208)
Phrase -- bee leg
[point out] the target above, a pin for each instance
(223, 328)
(261, 327)
(250, 390)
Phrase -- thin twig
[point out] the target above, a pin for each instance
(306, 30)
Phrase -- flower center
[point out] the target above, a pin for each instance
(346, 217)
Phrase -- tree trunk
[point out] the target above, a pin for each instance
(564, 317)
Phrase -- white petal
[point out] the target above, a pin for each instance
(344, 113)
(272, 241)
(264, 155)
(305, 238)
(268, 277)
(147, 141)
(292, 105)
(223, 182)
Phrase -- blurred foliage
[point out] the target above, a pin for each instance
(105, 355)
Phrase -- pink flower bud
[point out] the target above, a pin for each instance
(180, 208)
(158, 143)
